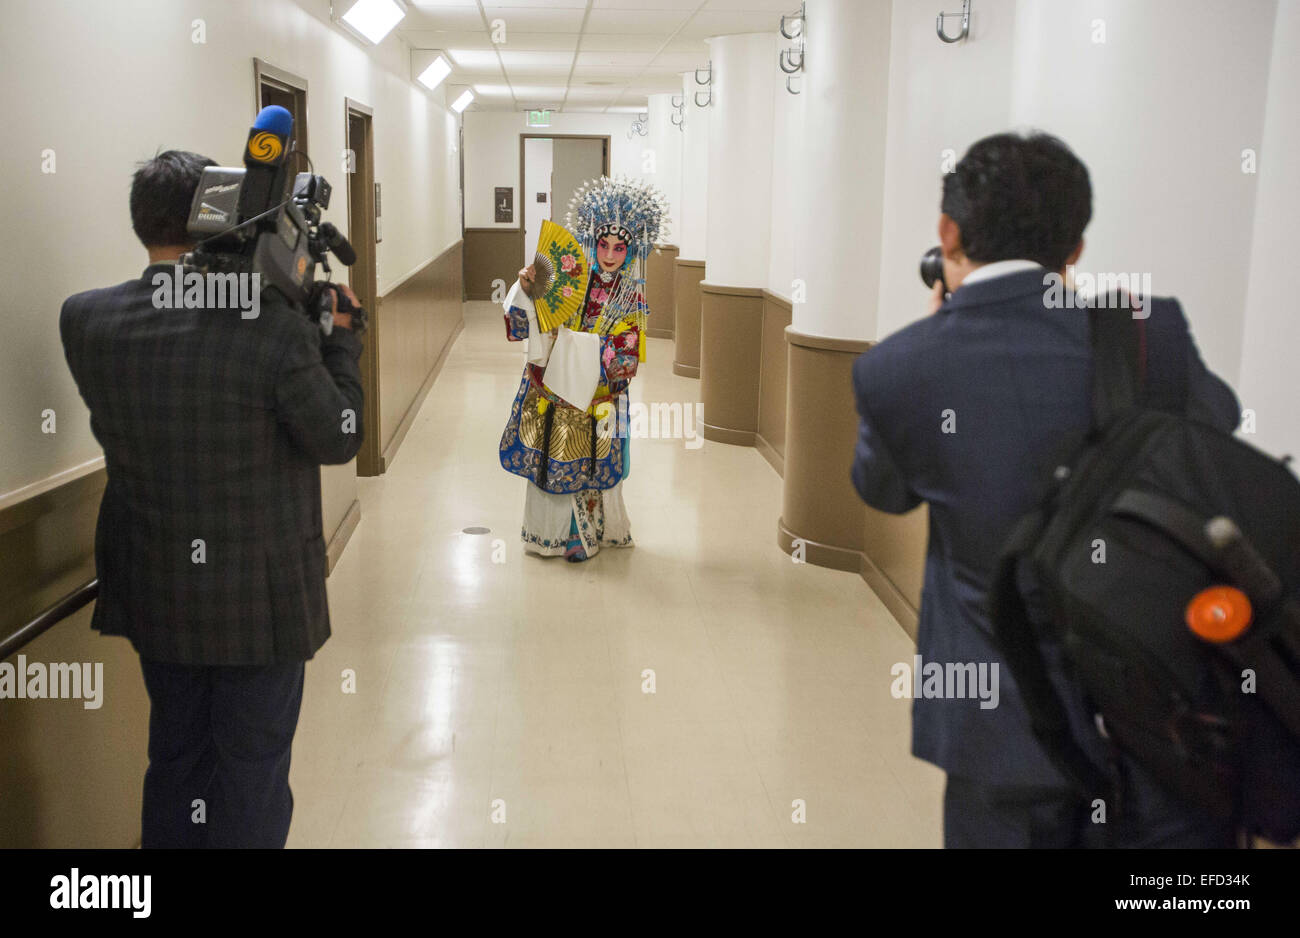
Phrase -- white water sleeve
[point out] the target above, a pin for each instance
(539, 342)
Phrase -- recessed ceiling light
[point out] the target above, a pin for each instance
(432, 76)
(374, 19)
(463, 101)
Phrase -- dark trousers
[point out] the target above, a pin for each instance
(219, 740)
(981, 815)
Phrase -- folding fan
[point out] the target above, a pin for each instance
(561, 276)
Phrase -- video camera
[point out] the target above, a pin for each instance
(248, 220)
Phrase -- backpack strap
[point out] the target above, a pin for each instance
(1171, 393)
(1119, 363)
(1017, 639)
(1120, 358)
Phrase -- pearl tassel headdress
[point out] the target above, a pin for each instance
(636, 212)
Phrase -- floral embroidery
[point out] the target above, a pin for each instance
(516, 324)
(620, 355)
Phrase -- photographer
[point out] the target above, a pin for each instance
(970, 410)
(209, 547)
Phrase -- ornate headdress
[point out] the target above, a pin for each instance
(636, 212)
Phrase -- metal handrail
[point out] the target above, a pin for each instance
(78, 598)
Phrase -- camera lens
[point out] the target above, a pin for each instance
(932, 268)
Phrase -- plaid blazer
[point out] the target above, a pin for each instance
(209, 545)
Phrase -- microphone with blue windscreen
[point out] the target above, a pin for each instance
(261, 220)
(266, 183)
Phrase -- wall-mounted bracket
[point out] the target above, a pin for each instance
(965, 23)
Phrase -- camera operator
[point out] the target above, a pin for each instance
(969, 410)
(209, 548)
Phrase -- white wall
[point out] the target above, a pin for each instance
(492, 154)
(789, 165)
(105, 85)
(740, 160)
(693, 234)
(664, 141)
(838, 225)
(941, 98)
(1272, 323)
(1159, 112)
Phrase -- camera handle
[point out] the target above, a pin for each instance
(320, 308)
(322, 311)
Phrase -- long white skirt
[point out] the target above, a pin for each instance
(600, 514)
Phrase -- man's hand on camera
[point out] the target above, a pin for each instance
(937, 297)
(342, 319)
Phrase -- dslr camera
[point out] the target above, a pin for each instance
(256, 219)
(932, 269)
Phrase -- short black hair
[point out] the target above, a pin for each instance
(1019, 196)
(161, 192)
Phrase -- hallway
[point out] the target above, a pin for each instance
(515, 688)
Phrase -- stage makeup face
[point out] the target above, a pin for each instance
(611, 252)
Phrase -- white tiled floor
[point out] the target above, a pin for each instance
(515, 688)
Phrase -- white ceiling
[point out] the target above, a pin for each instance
(579, 55)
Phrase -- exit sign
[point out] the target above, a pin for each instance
(539, 118)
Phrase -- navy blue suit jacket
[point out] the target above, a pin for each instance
(1013, 380)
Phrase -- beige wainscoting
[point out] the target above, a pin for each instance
(422, 316)
(821, 513)
(70, 776)
(491, 254)
(821, 510)
(687, 275)
(660, 293)
(893, 560)
(772, 372)
(802, 406)
(731, 337)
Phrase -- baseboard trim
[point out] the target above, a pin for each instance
(659, 333)
(342, 534)
(727, 435)
(390, 451)
(897, 604)
(686, 371)
(768, 452)
(818, 554)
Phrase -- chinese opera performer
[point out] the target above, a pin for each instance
(567, 432)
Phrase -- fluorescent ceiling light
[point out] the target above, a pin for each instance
(552, 59)
(374, 19)
(463, 101)
(536, 92)
(432, 76)
(474, 58)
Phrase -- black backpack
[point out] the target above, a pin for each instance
(1172, 507)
